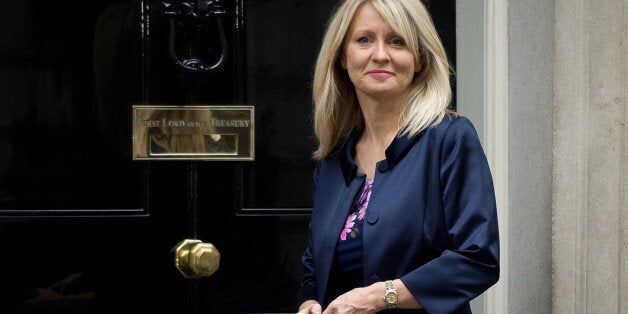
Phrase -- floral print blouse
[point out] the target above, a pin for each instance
(349, 249)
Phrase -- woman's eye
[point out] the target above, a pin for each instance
(397, 42)
(363, 40)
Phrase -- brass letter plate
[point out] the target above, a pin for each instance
(193, 132)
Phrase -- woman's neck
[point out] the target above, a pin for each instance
(381, 122)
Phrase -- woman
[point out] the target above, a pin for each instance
(404, 210)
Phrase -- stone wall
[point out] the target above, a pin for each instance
(589, 206)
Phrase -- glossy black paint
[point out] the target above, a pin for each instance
(83, 228)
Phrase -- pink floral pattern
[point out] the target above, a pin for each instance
(347, 229)
(358, 213)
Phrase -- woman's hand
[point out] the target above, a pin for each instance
(359, 300)
(310, 307)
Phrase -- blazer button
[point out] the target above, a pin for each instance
(383, 166)
(372, 217)
(373, 279)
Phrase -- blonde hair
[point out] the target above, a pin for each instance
(336, 111)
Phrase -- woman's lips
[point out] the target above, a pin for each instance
(380, 73)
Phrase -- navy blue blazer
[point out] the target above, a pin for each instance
(431, 219)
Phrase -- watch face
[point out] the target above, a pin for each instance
(391, 297)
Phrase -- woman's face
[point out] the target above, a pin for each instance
(377, 59)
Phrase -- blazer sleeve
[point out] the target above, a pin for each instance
(469, 263)
(308, 289)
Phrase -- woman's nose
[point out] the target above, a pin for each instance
(380, 53)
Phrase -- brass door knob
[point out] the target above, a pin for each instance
(195, 259)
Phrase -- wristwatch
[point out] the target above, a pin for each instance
(390, 297)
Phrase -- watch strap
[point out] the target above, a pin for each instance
(390, 290)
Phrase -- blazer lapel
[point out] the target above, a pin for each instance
(334, 225)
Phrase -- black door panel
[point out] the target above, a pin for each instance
(86, 229)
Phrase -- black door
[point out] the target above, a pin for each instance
(84, 228)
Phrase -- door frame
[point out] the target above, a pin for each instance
(482, 33)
